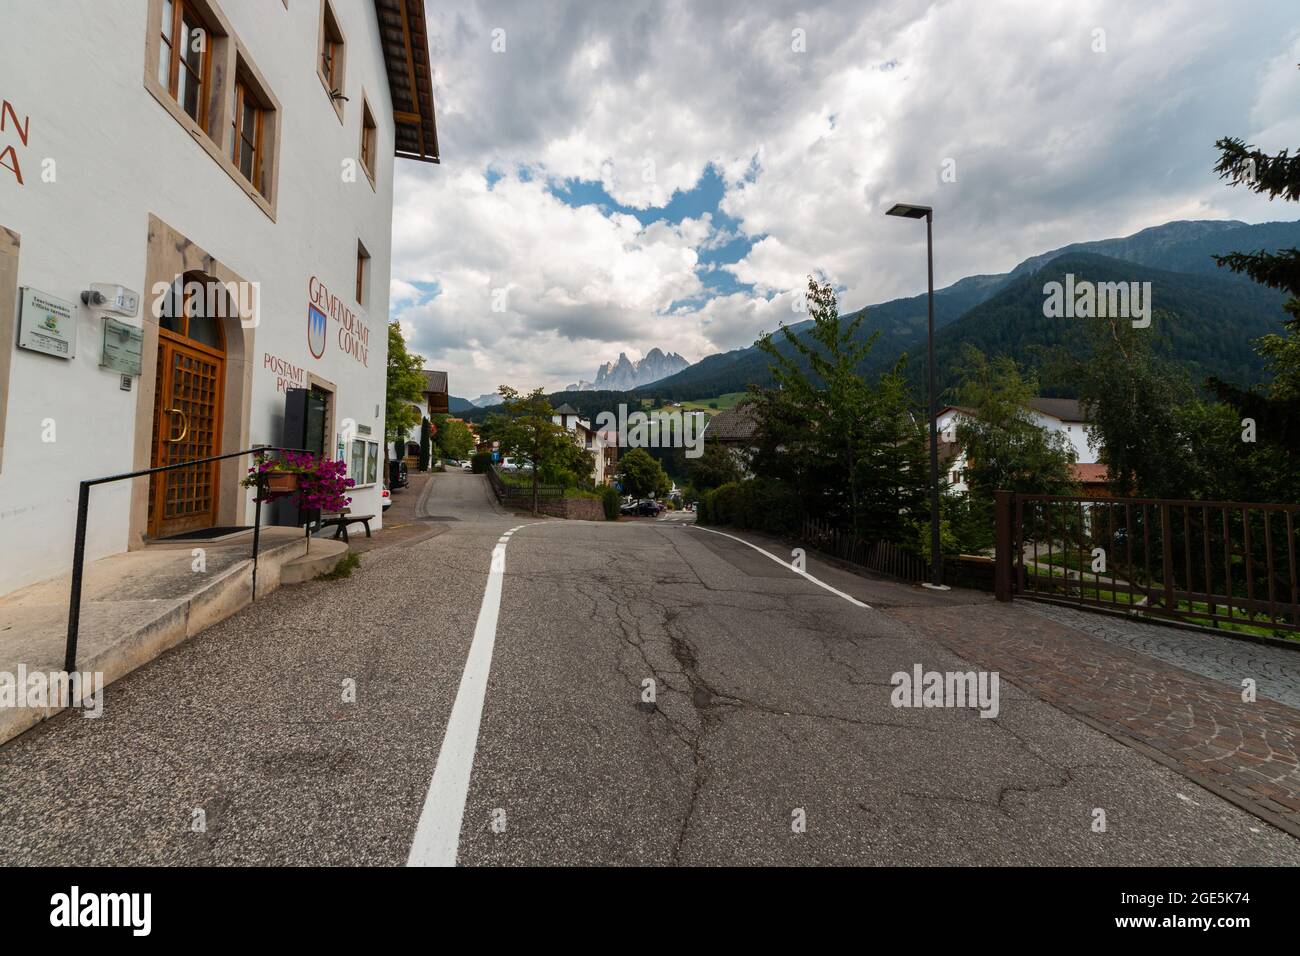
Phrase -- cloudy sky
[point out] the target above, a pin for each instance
(620, 176)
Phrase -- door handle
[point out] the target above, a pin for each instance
(185, 426)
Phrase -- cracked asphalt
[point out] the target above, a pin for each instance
(771, 708)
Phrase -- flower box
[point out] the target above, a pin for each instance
(313, 482)
(281, 482)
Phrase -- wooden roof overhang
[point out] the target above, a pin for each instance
(405, 41)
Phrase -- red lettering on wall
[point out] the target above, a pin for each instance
(354, 335)
(24, 128)
(14, 168)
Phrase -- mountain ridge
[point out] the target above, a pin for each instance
(624, 374)
(1184, 247)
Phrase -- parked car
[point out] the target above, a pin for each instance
(397, 474)
(386, 497)
(645, 508)
(467, 466)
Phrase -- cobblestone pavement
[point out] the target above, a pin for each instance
(1245, 752)
(1275, 670)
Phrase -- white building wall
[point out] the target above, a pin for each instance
(1077, 433)
(75, 68)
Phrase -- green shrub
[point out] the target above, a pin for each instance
(760, 504)
(481, 462)
(610, 499)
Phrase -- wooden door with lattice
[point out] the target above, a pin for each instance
(187, 426)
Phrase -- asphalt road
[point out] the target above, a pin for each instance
(772, 709)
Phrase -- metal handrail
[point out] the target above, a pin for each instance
(83, 510)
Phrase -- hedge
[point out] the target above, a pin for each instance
(612, 502)
(481, 462)
(760, 504)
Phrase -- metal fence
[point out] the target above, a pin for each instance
(1211, 563)
(883, 557)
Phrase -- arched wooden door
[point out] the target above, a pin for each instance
(187, 411)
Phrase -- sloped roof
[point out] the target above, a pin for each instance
(1066, 409)
(1089, 473)
(435, 382)
(735, 424)
(405, 40)
(566, 409)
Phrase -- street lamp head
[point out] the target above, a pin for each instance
(909, 211)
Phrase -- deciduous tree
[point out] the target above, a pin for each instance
(405, 387)
(641, 476)
(526, 431)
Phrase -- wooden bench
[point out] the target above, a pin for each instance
(339, 521)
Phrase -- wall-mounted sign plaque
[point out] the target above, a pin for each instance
(122, 347)
(47, 324)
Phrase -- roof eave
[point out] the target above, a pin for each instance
(403, 36)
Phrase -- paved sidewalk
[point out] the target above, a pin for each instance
(403, 522)
(1275, 670)
(134, 605)
(1244, 752)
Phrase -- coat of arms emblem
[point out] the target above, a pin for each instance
(316, 323)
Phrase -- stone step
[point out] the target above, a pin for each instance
(324, 556)
(135, 605)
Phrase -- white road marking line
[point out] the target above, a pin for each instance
(437, 836)
(787, 565)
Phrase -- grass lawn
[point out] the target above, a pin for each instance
(723, 402)
(522, 482)
(1105, 592)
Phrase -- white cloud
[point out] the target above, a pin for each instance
(1052, 142)
(527, 284)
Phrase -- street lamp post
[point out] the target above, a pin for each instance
(911, 211)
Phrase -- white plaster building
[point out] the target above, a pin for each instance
(1060, 415)
(588, 438)
(240, 150)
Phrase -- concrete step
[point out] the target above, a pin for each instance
(134, 606)
(324, 555)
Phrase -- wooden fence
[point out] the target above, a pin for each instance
(883, 557)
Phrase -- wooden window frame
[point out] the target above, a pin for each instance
(363, 275)
(183, 334)
(368, 154)
(331, 36)
(170, 34)
(243, 91)
(228, 59)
